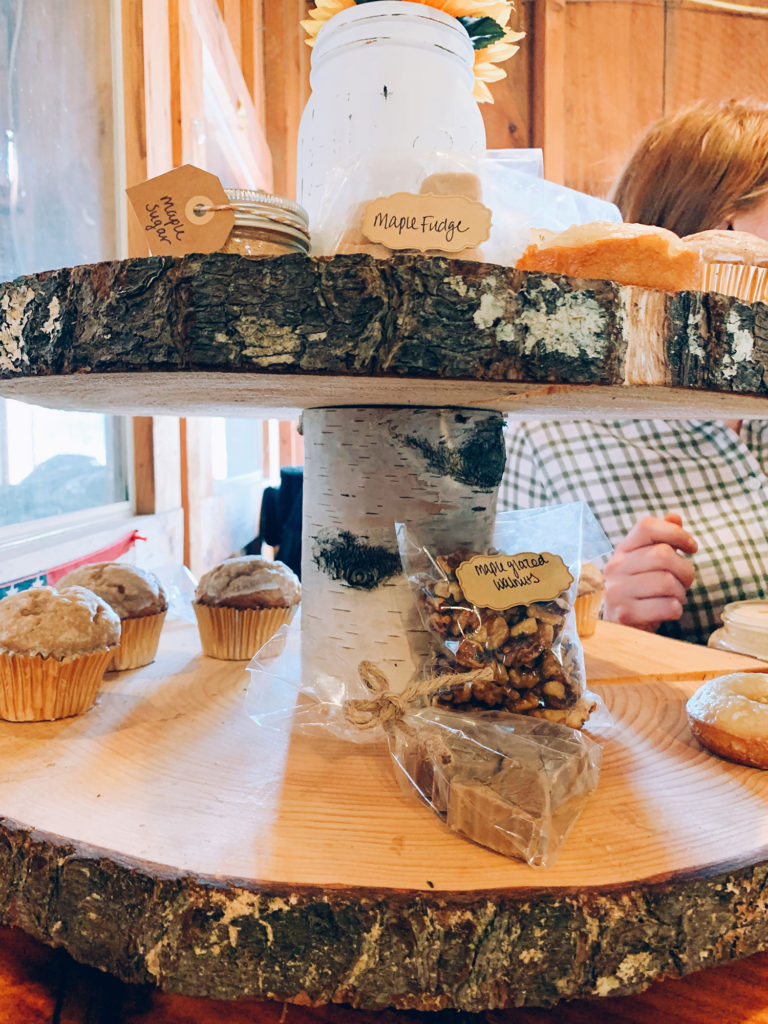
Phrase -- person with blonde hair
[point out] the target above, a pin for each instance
(685, 502)
(703, 167)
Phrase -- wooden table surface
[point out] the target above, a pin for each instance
(46, 985)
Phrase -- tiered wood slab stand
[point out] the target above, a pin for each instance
(164, 838)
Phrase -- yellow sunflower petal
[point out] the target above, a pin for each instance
(481, 92)
(311, 27)
(499, 11)
(489, 73)
(497, 53)
(331, 7)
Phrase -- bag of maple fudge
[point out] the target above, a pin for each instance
(501, 620)
(509, 782)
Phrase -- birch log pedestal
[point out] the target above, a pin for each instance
(163, 837)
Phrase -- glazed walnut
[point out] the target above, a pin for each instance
(502, 660)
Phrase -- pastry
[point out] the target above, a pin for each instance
(138, 599)
(241, 603)
(729, 716)
(55, 646)
(734, 263)
(631, 254)
(589, 598)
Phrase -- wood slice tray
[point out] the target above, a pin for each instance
(222, 334)
(163, 837)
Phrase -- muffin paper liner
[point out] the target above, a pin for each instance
(38, 689)
(587, 609)
(139, 639)
(236, 634)
(737, 279)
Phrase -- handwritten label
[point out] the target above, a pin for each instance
(182, 211)
(501, 581)
(424, 222)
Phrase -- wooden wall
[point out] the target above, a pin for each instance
(592, 74)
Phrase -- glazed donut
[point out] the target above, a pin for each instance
(729, 716)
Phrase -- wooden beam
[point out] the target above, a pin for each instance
(252, 53)
(134, 113)
(286, 68)
(548, 117)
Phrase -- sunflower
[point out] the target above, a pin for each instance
(486, 22)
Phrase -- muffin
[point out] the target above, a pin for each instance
(241, 603)
(735, 263)
(138, 599)
(55, 646)
(589, 598)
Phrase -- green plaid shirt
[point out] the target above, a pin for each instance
(631, 468)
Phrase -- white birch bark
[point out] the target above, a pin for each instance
(364, 470)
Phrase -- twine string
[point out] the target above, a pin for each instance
(384, 707)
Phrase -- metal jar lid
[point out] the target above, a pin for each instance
(254, 208)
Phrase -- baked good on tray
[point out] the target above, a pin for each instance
(241, 603)
(734, 263)
(729, 716)
(589, 597)
(630, 254)
(55, 646)
(137, 597)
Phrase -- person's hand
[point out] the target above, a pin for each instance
(648, 575)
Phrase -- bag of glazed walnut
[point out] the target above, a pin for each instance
(502, 622)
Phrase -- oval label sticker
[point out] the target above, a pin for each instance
(408, 221)
(502, 581)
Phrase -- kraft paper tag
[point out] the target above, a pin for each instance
(182, 211)
(408, 221)
(502, 581)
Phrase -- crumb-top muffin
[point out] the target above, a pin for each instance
(137, 596)
(129, 590)
(590, 592)
(56, 623)
(249, 582)
(241, 603)
(590, 579)
(54, 649)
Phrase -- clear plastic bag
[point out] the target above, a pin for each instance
(502, 622)
(513, 784)
(519, 201)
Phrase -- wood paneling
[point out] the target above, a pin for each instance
(714, 55)
(549, 91)
(591, 75)
(286, 69)
(252, 50)
(613, 84)
(134, 113)
(157, 484)
(508, 119)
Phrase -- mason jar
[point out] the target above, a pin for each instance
(265, 224)
(389, 79)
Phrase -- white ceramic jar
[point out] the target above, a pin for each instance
(391, 79)
(744, 629)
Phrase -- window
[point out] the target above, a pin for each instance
(58, 207)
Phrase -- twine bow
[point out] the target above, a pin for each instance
(385, 707)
